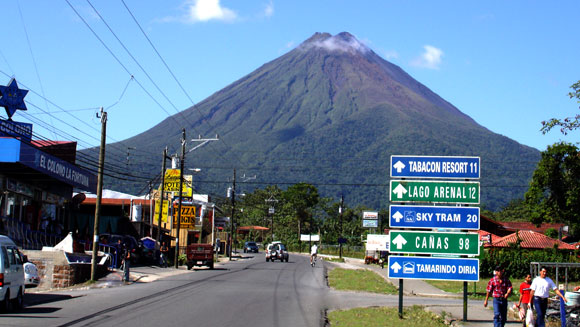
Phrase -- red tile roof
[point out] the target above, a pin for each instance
(530, 240)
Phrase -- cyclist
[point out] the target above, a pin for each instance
(313, 253)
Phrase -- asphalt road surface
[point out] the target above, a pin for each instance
(247, 292)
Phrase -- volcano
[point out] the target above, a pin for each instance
(331, 112)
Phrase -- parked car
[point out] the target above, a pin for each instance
(251, 247)
(277, 251)
(31, 278)
(11, 275)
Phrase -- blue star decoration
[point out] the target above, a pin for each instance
(12, 98)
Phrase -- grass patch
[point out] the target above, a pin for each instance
(385, 316)
(475, 290)
(359, 280)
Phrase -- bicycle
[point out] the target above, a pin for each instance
(313, 260)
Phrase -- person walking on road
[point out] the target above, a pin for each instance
(163, 256)
(500, 287)
(540, 290)
(525, 296)
(126, 262)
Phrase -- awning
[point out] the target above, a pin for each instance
(249, 228)
(14, 151)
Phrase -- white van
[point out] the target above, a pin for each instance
(11, 275)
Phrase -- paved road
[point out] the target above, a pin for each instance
(246, 292)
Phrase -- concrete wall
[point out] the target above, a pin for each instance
(55, 271)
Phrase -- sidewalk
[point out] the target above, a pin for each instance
(477, 315)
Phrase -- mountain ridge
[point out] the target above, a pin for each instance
(329, 95)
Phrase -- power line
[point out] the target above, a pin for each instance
(174, 77)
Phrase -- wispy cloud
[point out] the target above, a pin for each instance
(431, 58)
(269, 10)
(334, 43)
(391, 54)
(197, 11)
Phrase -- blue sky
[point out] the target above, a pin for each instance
(507, 64)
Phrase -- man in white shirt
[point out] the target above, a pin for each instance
(540, 291)
(313, 253)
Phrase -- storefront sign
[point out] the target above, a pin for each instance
(57, 168)
(187, 216)
(16, 129)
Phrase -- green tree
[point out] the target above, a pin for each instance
(303, 198)
(555, 189)
(569, 123)
(515, 210)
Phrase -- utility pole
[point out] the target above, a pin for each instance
(103, 117)
(271, 212)
(233, 194)
(180, 199)
(340, 212)
(161, 195)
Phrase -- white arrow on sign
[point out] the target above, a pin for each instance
(396, 267)
(399, 166)
(397, 216)
(399, 191)
(399, 241)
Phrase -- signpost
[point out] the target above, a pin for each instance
(438, 244)
(434, 243)
(434, 191)
(435, 167)
(429, 217)
(466, 270)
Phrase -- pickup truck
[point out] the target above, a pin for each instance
(199, 255)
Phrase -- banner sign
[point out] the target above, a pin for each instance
(370, 215)
(377, 242)
(165, 211)
(429, 217)
(457, 269)
(16, 129)
(171, 182)
(57, 168)
(307, 237)
(434, 191)
(435, 167)
(370, 223)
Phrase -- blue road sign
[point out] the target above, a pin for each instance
(429, 217)
(435, 167)
(466, 270)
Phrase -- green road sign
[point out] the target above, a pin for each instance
(434, 243)
(434, 191)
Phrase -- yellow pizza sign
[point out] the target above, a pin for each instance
(187, 216)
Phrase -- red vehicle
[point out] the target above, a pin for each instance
(199, 255)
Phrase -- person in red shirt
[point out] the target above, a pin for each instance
(500, 288)
(525, 295)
